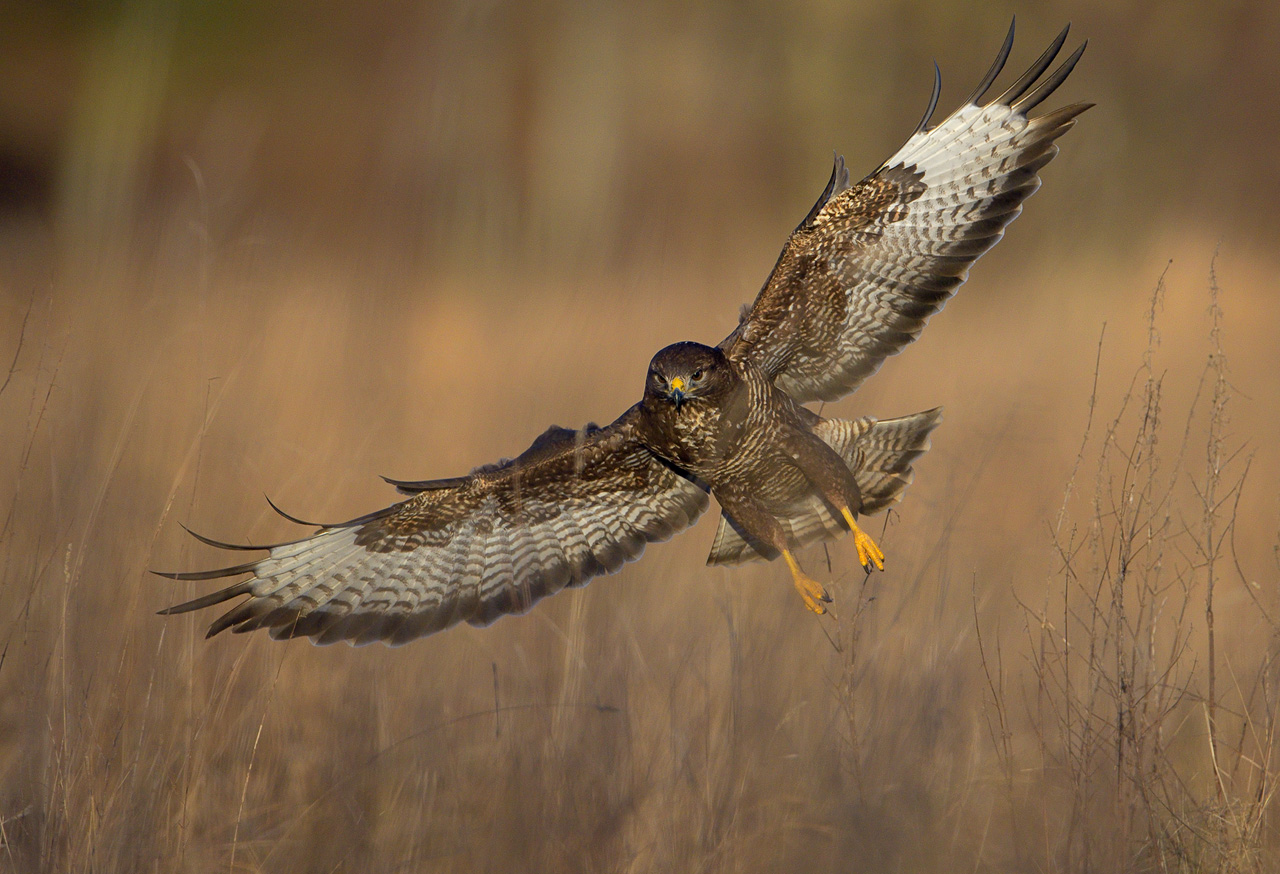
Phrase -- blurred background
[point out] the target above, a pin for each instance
(285, 247)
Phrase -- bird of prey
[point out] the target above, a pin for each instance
(856, 282)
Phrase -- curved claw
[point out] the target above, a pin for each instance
(812, 591)
(868, 552)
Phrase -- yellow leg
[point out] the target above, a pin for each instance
(810, 589)
(868, 552)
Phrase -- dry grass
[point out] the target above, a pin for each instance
(291, 283)
(961, 706)
(1163, 766)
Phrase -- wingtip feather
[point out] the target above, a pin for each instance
(216, 573)
(241, 588)
(933, 100)
(238, 547)
(1041, 91)
(996, 66)
(294, 519)
(1035, 71)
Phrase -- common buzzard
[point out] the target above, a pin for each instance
(856, 282)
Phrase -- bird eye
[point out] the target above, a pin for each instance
(697, 374)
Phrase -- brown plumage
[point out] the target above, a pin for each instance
(856, 282)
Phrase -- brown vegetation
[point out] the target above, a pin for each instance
(1067, 666)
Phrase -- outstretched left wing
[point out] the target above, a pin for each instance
(575, 505)
(872, 262)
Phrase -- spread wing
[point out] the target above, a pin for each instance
(575, 505)
(872, 262)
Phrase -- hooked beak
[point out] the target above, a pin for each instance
(676, 391)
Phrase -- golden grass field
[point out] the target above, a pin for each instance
(1029, 686)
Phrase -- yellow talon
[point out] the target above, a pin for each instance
(810, 589)
(868, 551)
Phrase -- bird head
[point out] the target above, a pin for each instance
(684, 372)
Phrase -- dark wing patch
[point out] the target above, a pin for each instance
(575, 505)
(870, 264)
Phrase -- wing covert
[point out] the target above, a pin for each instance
(575, 505)
(862, 274)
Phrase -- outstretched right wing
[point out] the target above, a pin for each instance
(872, 262)
(575, 505)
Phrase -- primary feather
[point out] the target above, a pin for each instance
(872, 262)
(575, 505)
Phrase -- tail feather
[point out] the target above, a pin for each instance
(886, 452)
(879, 453)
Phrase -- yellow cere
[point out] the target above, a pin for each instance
(677, 384)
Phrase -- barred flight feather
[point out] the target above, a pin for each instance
(872, 262)
(576, 505)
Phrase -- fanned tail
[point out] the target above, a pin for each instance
(886, 453)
